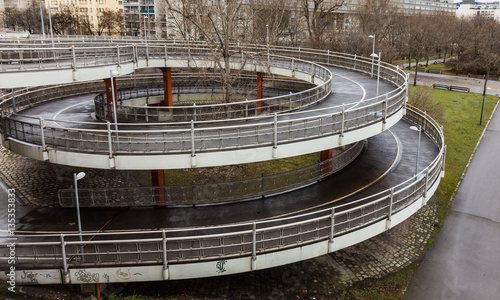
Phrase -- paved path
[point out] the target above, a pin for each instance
(464, 261)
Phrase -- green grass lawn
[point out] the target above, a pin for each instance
(462, 132)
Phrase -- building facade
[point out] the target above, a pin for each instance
(485, 9)
(88, 11)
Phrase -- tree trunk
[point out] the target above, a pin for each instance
(416, 73)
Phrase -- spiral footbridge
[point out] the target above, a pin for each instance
(338, 108)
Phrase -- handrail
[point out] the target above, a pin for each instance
(404, 194)
(394, 100)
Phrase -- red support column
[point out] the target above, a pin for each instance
(158, 179)
(325, 167)
(260, 105)
(109, 97)
(167, 87)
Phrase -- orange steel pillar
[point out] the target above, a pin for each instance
(325, 167)
(109, 96)
(259, 91)
(167, 87)
(158, 179)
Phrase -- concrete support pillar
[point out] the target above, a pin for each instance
(325, 166)
(109, 97)
(260, 105)
(167, 87)
(158, 179)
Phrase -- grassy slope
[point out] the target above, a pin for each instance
(462, 132)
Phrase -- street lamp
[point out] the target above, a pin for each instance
(51, 31)
(115, 119)
(267, 36)
(41, 16)
(77, 177)
(419, 129)
(374, 55)
(373, 51)
(145, 33)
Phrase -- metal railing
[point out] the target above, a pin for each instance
(179, 246)
(197, 136)
(211, 193)
(202, 110)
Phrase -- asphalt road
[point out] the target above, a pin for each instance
(464, 260)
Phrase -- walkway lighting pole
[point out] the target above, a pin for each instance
(41, 17)
(374, 55)
(419, 129)
(267, 37)
(373, 51)
(145, 34)
(115, 119)
(51, 31)
(77, 177)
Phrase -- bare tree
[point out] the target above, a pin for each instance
(109, 21)
(217, 22)
(319, 17)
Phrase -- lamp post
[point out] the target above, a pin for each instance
(374, 55)
(373, 51)
(145, 34)
(77, 177)
(41, 18)
(267, 36)
(115, 119)
(419, 129)
(51, 31)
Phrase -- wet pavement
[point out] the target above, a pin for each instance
(464, 261)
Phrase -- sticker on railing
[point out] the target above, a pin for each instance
(221, 266)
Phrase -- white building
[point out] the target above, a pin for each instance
(489, 10)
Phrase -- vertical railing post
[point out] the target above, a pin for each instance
(386, 104)
(275, 136)
(165, 261)
(342, 124)
(73, 54)
(42, 134)
(118, 55)
(110, 141)
(254, 245)
(290, 101)
(14, 101)
(389, 215)
(328, 57)
(332, 229)
(355, 61)
(194, 111)
(193, 151)
(391, 202)
(64, 259)
(246, 108)
(166, 54)
(426, 182)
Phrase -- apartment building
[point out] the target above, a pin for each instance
(485, 9)
(90, 10)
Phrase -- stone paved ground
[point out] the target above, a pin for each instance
(321, 277)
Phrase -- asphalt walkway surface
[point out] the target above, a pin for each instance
(464, 260)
